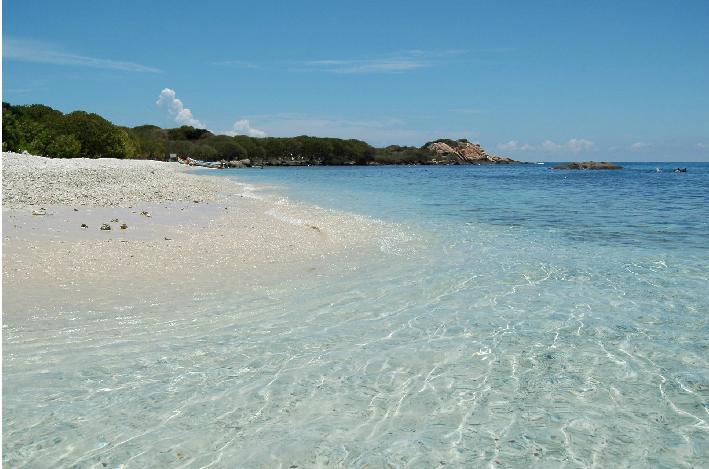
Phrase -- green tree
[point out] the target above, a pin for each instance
(63, 146)
(98, 137)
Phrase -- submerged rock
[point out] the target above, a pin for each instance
(588, 165)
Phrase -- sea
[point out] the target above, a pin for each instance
(521, 317)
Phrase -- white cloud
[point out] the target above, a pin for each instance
(703, 146)
(177, 110)
(512, 145)
(39, 52)
(467, 110)
(574, 145)
(403, 61)
(396, 62)
(236, 64)
(393, 65)
(183, 116)
(243, 127)
(639, 146)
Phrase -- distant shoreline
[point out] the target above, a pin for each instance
(41, 130)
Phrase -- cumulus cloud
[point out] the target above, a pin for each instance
(177, 109)
(574, 145)
(183, 116)
(243, 127)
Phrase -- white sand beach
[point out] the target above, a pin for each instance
(183, 232)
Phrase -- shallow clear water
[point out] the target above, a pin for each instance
(524, 317)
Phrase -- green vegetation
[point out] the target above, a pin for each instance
(41, 130)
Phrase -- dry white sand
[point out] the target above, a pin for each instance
(203, 233)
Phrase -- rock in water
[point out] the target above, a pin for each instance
(124, 226)
(463, 152)
(587, 165)
(105, 227)
(84, 225)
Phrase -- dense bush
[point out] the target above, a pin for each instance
(41, 130)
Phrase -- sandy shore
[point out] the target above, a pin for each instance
(185, 234)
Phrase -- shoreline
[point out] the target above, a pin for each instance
(185, 234)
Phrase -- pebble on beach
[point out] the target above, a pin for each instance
(105, 227)
(31, 180)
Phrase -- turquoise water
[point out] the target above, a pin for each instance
(524, 317)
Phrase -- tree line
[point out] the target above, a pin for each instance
(41, 130)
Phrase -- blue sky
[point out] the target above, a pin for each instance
(542, 80)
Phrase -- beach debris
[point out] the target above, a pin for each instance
(105, 227)
(146, 214)
(84, 225)
(124, 226)
(41, 211)
(168, 239)
(76, 209)
(115, 220)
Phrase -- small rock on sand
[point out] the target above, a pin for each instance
(124, 226)
(105, 227)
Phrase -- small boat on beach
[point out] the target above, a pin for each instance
(205, 164)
